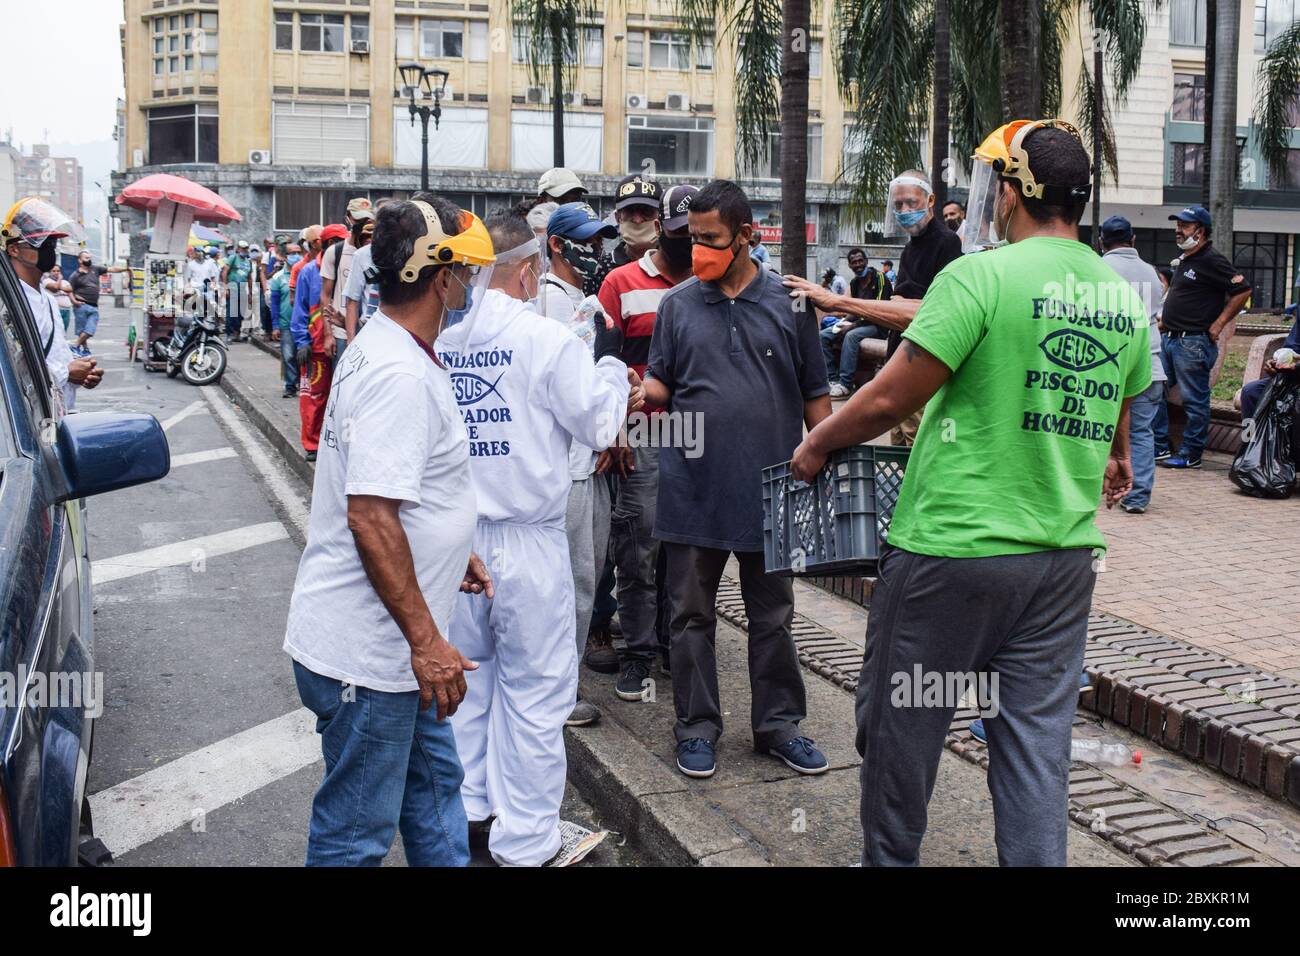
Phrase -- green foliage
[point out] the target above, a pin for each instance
(1276, 86)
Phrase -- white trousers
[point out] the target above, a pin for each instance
(510, 727)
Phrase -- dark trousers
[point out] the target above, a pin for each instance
(775, 681)
(1022, 618)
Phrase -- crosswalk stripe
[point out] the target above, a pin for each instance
(185, 552)
(190, 409)
(198, 457)
(183, 791)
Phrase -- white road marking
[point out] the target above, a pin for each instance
(198, 457)
(184, 413)
(295, 506)
(139, 810)
(185, 552)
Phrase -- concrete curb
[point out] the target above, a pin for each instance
(670, 823)
(239, 391)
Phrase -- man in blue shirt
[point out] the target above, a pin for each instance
(731, 353)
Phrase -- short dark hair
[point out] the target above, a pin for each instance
(886, 262)
(1057, 158)
(398, 224)
(1114, 242)
(508, 230)
(953, 202)
(855, 251)
(728, 199)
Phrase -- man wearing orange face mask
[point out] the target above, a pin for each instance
(732, 358)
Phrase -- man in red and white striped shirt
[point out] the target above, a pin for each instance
(630, 296)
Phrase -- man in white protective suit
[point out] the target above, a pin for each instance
(526, 388)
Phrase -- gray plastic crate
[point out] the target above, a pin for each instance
(838, 523)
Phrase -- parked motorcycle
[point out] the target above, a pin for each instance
(195, 351)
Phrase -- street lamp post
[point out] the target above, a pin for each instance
(432, 85)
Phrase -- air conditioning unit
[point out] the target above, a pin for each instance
(677, 101)
(537, 94)
(637, 101)
(575, 99)
(259, 157)
(361, 47)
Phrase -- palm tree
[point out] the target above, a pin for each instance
(550, 32)
(1277, 94)
(941, 104)
(887, 57)
(1223, 134)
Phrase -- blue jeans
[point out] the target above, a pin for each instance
(848, 364)
(1251, 393)
(388, 764)
(290, 370)
(1141, 438)
(1188, 361)
(87, 319)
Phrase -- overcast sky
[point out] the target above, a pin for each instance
(69, 70)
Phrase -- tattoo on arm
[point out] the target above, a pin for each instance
(910, 350)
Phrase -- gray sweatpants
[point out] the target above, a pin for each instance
(1023, 618)
(586, 524)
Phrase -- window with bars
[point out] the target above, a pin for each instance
(1185, 168)
(180, 43)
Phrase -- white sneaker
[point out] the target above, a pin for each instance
(839, 391)
(575, 843)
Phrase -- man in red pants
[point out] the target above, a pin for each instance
(314, 341)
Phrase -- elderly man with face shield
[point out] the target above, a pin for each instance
(1029, 355)
(31, 230)
(527, 388)
(392, 518)
(930, 246)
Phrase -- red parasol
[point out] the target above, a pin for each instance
(146, 193)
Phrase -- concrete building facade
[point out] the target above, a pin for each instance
(289, 107)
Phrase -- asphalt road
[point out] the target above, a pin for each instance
(203, 754)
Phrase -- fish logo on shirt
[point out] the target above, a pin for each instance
(1077, 351)
(471, 388)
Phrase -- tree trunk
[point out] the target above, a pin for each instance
(1207, 124)
(1022, 83)
(940, 173)
(795, 16)
(1223, 143)
(557, 88)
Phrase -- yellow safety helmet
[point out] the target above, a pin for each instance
(34, 220)
(472, 246)
(1004, 150)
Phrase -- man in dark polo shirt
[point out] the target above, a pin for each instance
(931, 246)
(730, 353)
(1205, 294)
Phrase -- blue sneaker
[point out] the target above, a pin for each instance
(800, 754)
(1178, 461)
(977, 730)
(695, 757)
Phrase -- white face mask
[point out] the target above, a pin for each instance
(1188, 243)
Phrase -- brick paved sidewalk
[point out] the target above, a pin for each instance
(1210, 566)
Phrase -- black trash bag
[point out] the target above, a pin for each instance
(1265, 467)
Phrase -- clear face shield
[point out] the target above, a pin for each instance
(532, 264)
(981, 214)
(907, 206)
(464, 290)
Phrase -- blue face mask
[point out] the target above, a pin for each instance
(909, 220)
(293, 258)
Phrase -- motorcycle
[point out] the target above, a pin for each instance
(194, 351)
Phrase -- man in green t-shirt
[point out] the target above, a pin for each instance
(1027, 356)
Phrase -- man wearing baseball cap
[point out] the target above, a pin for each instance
(335, 267)
(630, 296)
(236, 274)
(1119, 254)
(560, 185)
(636, 208)
(1205, 294)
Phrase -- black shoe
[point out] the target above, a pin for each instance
(1162, 455)
(632, 682)
(311, 456)
(288, 394)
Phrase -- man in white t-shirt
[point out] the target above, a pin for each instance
(393, 515)
(336, 265)
(527, 387)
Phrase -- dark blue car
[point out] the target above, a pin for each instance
(47, 649)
